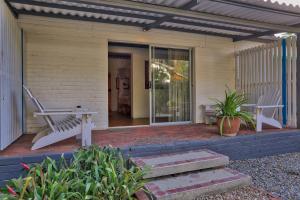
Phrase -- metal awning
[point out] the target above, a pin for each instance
(236, 19)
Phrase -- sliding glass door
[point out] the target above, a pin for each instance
(171, 85)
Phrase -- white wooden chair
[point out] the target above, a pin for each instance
(266, 108)
(76, 123)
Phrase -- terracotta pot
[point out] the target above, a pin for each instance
(232, 130)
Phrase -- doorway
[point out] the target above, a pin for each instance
(128, 98)
(148, 85)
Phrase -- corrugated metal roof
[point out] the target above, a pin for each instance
(255, 10)
(243, 12)
(66, 12)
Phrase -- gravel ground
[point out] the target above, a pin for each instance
(244, 193)
(279, 175)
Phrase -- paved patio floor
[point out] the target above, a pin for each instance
(124, 137)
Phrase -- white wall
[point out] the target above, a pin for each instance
(114, 64)
(140, 96)
(64, 71)
(10, 77)
(67, 63)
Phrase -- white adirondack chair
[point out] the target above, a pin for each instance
(76, 123)
(266, 108)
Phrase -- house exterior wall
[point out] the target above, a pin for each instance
(67, 64)
(10, 77)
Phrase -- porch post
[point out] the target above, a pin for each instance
(284, 109)
(298, 80)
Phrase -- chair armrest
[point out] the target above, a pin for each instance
(35, 114)
(65, 110)
(249, 105)
(59, 110)
(270, 106)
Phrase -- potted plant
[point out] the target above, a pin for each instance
(229, 114)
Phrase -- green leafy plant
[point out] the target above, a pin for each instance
(230, 108)
(93, 173)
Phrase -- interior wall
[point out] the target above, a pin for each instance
(114, 64)
(140, 95)
(67, 63)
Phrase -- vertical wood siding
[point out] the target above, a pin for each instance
(260, 68)
(10, 77)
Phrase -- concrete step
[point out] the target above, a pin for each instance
(175, 163)
(194, 184)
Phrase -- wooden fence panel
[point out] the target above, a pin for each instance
(10, 78)
(260, 69)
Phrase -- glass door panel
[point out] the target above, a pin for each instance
(170, 91)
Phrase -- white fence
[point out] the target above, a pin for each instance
(260, 68)
(10, 78)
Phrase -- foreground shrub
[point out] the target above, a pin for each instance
(93, 173)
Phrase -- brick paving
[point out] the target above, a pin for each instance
(125, 137)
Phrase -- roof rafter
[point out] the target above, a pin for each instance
(214, 26)
(257, 7)
(70, 17)
(157, 23)
(195, 14)
(158, 14)
(81, 18)
(257, 35)
(82, 9)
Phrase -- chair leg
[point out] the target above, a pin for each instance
(272, 122)
(41, 134)
(86, 130)
(55, 137)
(259, 118)
(258, 123)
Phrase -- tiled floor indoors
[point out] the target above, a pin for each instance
(122, 137)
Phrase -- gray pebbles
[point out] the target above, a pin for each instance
(274, 176)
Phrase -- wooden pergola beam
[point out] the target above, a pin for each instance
(157, 23)
(82, 9)
(253, 36)
(257, 7)
(257, 35)
(195, 14)
(211, 25)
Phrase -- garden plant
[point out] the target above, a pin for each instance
(94, 173)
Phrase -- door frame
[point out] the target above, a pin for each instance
(151, 123)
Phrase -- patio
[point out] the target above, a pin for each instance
(129, 137)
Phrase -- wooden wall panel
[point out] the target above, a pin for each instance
(10, 77)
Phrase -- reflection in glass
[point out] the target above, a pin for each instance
(170, 71)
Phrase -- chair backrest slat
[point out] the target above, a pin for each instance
(270, 97)
(40, 107)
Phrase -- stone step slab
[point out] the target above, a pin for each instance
(175, 163)
(195, 184)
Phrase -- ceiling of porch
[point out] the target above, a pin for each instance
(236, 19)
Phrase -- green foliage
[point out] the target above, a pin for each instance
(94, 173)
(230, 108)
